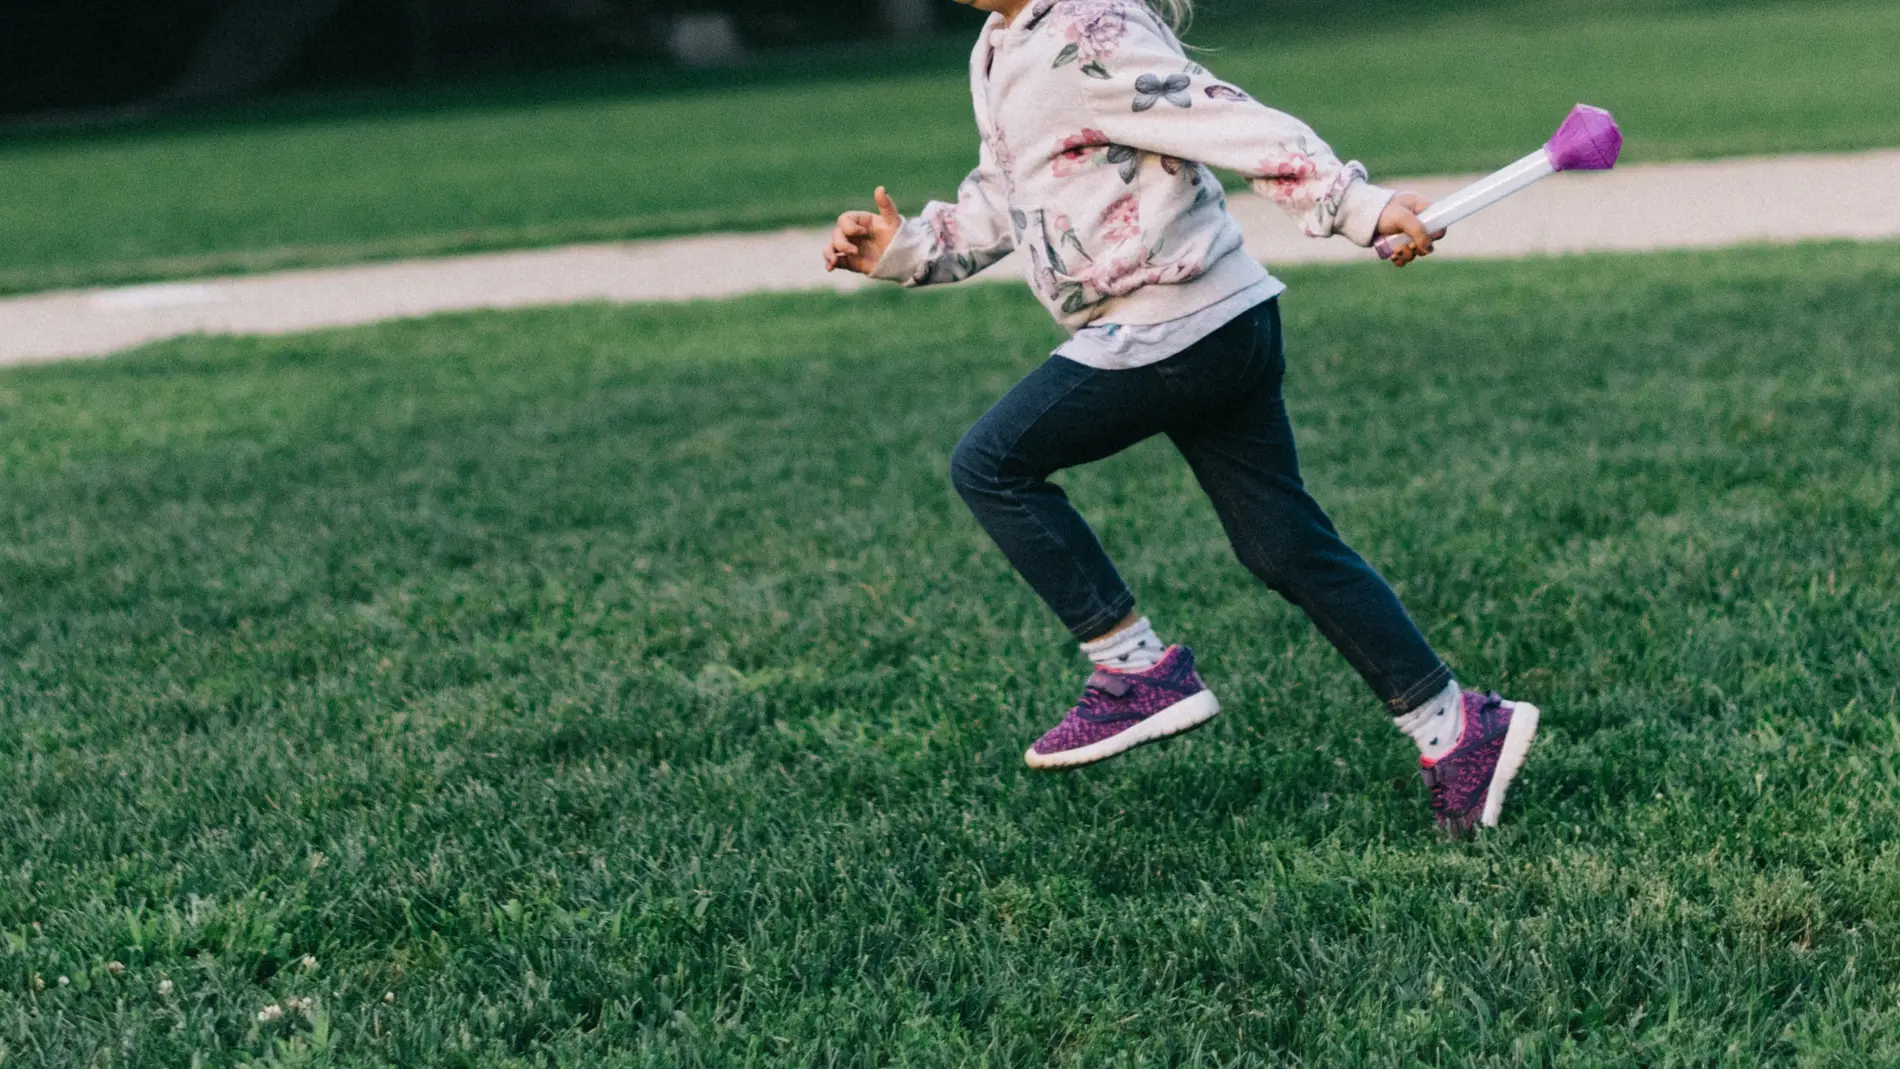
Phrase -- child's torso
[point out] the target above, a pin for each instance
(1110, 232)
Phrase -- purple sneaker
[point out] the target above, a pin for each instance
(1121, 710)
(1468, 784)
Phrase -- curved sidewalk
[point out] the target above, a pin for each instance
(1644, 207)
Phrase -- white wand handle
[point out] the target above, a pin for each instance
(1473, 198)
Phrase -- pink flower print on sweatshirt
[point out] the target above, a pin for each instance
(1122, 220)
(1118, 276)
(1094, 29)
(1286, 179)
(1078, 152)
(946, 236)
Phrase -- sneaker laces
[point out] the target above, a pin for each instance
(1101, 689)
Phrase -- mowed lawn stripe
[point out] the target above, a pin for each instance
(627, 686)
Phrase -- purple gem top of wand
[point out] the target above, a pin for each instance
(1588, 140)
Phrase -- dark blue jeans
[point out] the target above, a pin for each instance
(1219, 401)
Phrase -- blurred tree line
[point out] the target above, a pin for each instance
(130, 56)
(81, 55)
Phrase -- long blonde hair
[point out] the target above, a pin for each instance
(1178, 12)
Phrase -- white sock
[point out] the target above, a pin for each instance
(1436, 725)
(1132, 649)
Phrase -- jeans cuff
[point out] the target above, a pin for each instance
(1420, 692)
(1093, 627)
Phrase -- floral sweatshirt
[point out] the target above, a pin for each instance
(1096, 134)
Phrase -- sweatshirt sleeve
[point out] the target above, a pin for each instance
(950, 242)
(1153, 98)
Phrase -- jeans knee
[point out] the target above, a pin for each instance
(1272, 569)
(1298, 560)
(973, 468)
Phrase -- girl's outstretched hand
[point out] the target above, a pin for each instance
(860, 238)
(1401, 217)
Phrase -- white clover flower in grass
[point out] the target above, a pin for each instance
(389, 996)
(63, 981)
(116, 968)
(165, 987)
(270, 1013)
(39, 982)
(308, 962)
(306, 1005)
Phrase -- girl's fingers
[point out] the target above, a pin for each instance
(841, 250)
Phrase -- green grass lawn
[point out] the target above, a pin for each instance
(1465, 90)
(626, 686)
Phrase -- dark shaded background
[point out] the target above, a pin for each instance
(83, 61)
(90, 55)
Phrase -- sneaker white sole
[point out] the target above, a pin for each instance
(1517, 745)
(1187, 713)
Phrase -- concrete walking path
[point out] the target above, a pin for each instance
(1644, 207)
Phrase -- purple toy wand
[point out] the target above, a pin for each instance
(1588, 140)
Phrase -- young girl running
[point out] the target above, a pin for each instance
(1096, 133)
